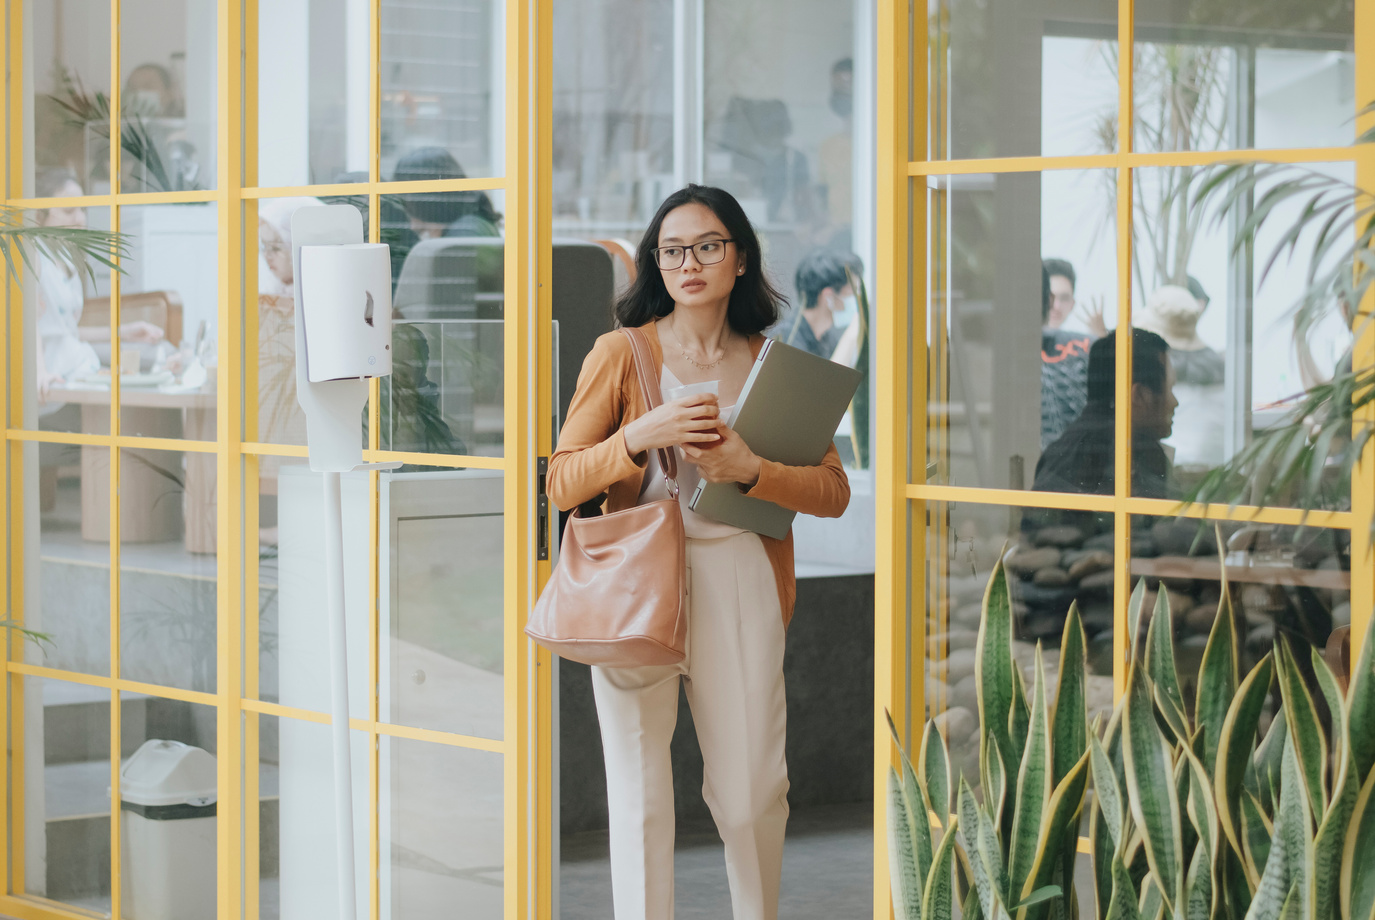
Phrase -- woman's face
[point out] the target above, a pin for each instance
(275, 252)
(65, 217)
(694, 284)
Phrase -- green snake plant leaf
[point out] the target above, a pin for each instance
(995, 781)
(1033, 786)
(1201, 806)
(938, 901)
(1123, 903)
(1257, 831)
(1151, 789)
(1160, 666)
(1019, 723)
(1301, 714)
(1103, 851)
(1237, 739)
(918, 818)
(1291, 852)
(1360, 707)
(1059, 833)
(1235, 890)
(1268, 762)
(1217, 678)
(1040, 896)
(1107, 792)
(981, 843)
(1198, 887)
(1134, 605)
(933, 765)
(1358, 854)
(996, 679)
(1069, 722)
(1152, 904)
(1327, 849)
(905, 876)
(971, 909)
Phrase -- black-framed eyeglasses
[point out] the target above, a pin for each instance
(707, 252)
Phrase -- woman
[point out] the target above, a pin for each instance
(702, 299)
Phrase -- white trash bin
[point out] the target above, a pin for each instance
(167, 829)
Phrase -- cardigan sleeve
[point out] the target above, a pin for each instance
(591, 453)
(822, 491)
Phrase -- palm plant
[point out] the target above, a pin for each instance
(1323, 432)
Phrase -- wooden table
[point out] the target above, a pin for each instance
(151, 413)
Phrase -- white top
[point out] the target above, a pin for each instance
(695, 526)
(61, 299)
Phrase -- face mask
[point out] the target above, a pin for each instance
(846, 316)
(842, 104)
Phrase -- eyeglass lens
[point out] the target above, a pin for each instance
(707, 252)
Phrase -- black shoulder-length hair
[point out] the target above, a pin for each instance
(755, 303)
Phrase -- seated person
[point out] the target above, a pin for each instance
(1081, 459)
(1064, 354)
(64, 351)
(828, 305)
(438, 214)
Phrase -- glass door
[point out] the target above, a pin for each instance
(163, 528)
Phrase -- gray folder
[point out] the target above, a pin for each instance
(788, 412)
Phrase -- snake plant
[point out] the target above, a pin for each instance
(1197, 812)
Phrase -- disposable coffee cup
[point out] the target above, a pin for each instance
(694, 389)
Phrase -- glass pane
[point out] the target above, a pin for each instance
(169, 321)
(270, 475)
(167, 65)
(1050, 565)
(279, 418)
(63, 785)
(1285, 582)
(1273, 74)
(293, 648)
(67, 545)
(1237, 360)
(168, 844)
(167, 568)
(296, 870)
(613, 115)
(443, 88)
(441, 591)
(446, 391)
(313, 92)
(440, 849)
(67, 71)
(67, 307)
(996, 63)
(998, 403)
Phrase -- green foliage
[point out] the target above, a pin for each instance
(1199, 812)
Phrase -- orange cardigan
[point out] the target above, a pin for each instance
(592, 459)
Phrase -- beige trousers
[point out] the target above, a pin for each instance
(734, 675)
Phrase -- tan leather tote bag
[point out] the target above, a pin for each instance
(618, 596)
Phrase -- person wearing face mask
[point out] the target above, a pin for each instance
(828, 306)
(834, 159)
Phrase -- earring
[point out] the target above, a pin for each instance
(741, 270)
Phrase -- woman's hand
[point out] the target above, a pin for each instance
(140, 331)
(690, 420)
(730, 461)
(46, 382)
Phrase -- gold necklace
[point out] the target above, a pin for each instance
(688, 359)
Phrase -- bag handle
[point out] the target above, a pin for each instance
(649, 388)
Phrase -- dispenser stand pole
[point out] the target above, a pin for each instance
(339, 694)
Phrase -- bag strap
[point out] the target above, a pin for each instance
(649, 388)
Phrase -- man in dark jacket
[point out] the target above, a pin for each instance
(1081, 459)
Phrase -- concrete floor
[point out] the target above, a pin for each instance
(827, 869)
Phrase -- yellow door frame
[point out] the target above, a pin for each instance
(526, 745)
(905, 496)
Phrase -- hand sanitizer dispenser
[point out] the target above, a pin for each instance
(346, 306)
